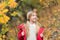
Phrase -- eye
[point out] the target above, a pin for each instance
(33, 15)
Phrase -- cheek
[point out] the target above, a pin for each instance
(34, 18)
(31, 18)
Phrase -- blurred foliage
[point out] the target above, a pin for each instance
(13, 12)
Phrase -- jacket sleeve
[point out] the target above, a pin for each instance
(41, 30)
(20, 36)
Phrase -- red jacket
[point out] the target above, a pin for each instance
(22, 29)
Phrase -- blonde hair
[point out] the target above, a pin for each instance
(29, 14)
(38, 25)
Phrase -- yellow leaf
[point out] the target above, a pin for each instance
(10, 1)
(4, 36)
(4, 19)
(40, 0)
(13, 5)
(1, 20)
(0, 38)
(14, 14)
(2, 5)
(5, 10)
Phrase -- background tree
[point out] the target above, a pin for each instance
(13, 12)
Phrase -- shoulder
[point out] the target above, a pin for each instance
(20, 26)
(39, 24)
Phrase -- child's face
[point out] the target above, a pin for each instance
(33, 17)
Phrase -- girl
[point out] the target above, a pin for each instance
(31, 30)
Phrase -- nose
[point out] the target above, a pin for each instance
(35, 17)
